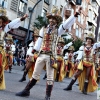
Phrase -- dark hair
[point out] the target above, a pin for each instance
(4, 18)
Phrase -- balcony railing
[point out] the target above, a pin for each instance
(46, 1)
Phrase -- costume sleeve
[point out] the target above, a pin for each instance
(94, 46)
(67, 45)
(66, 56)
(80, 53)
(75, 53)
(12, 25)
(66, 25)
(98, 44)
(38, 43)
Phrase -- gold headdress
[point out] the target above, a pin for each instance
(61, 40)
(9, 37)
(3, 15)
(71, 48)
(36, 32)
(90, 36)
(55, 14)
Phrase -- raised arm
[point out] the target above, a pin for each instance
(15, 23)
(69, 22)
(66, 25)
(67, 45)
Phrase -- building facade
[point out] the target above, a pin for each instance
(85, 23)
(17, 8)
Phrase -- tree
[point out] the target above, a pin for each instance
(40, 22)
(77, 43)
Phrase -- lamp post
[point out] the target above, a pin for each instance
(31, 10)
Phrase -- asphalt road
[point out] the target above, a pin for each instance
(38, 91)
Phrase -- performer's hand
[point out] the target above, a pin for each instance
(24, 17)
(33, 51)
(78, 11)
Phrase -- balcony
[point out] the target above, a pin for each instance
(46, 1)
(91, 22)
(98, 2)
(95, 11)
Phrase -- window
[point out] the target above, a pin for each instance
(3, 3)
(79, 19)
(80, 32)
(82, 18)
(46, 1)
(23, 6)
(14, 5)
(54, 2)
(90, 14)
(43, 12)
(77, 31)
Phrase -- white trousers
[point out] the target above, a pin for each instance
(41, 61)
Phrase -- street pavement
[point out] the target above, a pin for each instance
(38, 91)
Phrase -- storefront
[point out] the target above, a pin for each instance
(19, 35)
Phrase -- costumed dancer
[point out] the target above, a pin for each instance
(30, 57)
(59, 72)
(96, 48)
(4, 28)
(9, 54)
(47, 43)
(86, 70)
(69, 64)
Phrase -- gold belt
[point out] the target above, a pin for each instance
(46, 52)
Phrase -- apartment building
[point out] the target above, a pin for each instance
(87, 21)
(17, 8)
(93, 12)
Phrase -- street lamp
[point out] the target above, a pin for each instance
(31, 10)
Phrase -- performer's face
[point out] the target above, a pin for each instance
(35, 38)
(52, 22)
(60, 46)
(70, 53)
(0, 22)
(8, 42)
(89, 41)
(67, 13)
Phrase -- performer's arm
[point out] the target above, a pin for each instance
(80, 53)
(66, 25)
(96, 45)
(38, 43)
(75, 53)
(67, 45)
(15, 23)
(69, 22)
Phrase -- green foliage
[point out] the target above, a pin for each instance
(77, 43)
(40, 22)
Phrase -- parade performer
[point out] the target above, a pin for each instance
(96, 48)
(30, 58)
(9, 54)
(85, 73)
(5, 27)
(59, 72)
(47, 43)
(69, 64)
